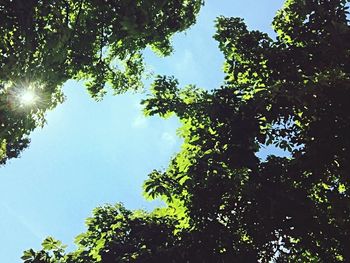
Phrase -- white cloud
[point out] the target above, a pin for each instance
(186, 63)
(169, 138)
(137, 105)
(140, 122)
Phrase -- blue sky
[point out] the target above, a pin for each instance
(91, 153)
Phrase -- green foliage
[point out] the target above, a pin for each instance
(224, 204)
(115, 234)
(53, 251)
(43, 44)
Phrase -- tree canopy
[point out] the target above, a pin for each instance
(223, 202)
(43, 44)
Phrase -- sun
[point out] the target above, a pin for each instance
(27, 97)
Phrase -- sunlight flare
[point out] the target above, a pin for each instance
(27, 97)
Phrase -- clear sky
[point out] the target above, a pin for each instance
(91, 153)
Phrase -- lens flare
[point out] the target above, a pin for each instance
(27, 97)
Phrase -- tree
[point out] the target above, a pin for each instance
(44, 44)
(224, 204)
(114, 234)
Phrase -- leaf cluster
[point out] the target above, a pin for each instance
(43, 44)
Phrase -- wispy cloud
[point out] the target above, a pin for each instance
(20, 219)
(186, 63)
(168, 138)
(137, 105)
(140, 122)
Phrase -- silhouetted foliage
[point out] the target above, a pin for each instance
(45, 43)
(224, 204)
